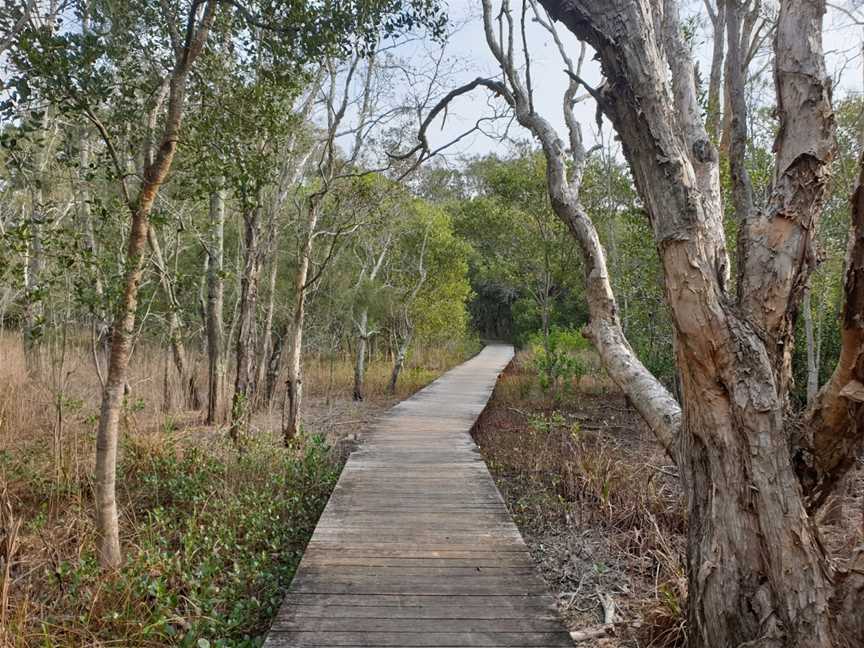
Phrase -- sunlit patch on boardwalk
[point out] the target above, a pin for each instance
(416, 547)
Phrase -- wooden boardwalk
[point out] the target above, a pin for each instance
(416, 547)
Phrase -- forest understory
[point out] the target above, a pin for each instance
(213, 535)
(600, 506)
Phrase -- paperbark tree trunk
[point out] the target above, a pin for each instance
(215, 301)
(265, 348)
(363, 332)
(107, 435)
(399, 361)
(757, 572)
(294, 382)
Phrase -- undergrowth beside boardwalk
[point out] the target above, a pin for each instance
(211, 533)
(213, 540)
(595, 499)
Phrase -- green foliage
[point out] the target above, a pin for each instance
(525, 268)
(556, 357)
(216, 541)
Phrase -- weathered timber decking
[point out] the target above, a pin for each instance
(416, 547)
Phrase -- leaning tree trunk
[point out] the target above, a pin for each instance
(124, 320)
(757, 571)
(121, 342)
(112, 395)
(399, 361)
(215, 299)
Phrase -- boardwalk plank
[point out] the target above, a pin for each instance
(416, 547)
(305, 639)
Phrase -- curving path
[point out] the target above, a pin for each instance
(416, 547)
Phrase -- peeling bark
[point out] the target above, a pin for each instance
(779, 241)
(757, 572)
(834, 424)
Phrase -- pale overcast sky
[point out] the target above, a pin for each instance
(467, 57)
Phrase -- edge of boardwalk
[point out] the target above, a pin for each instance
(416, 546)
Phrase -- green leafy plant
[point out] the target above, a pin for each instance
(556, 357)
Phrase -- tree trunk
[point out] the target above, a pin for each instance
(107, 521)
(360, 356)
(274, 362)
(266, 346)
(244, 384)
(112, 395)
(294, 382)
(757, 572)
(363, 332)
(215, 298)
(399, 362)
(742, 188)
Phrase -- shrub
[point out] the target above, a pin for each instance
(557, 359)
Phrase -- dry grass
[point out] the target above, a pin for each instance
(51, 592)
(601, 507)
(333, 376)
(595, 499)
